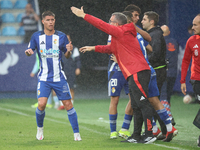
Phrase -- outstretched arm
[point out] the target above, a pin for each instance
(87, 48)
(78, 12)
(143, 33)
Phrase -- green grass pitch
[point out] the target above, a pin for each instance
(18, 127)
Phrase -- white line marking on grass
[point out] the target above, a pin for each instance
(14, 111)
(53, 120)
(83, 127)
(171, 147)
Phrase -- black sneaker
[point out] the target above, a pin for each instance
(131, 139)
(147, 140)
(161, 137)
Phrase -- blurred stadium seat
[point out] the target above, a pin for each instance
(21, 31)
(7, 18)
(6, 4)
(19, 17)
(9, 31)
(11, 42)
(20, 4)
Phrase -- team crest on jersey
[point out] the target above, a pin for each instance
(55, 41)
(113, 90)
(196, 52)
(170, 47)
(38, 92)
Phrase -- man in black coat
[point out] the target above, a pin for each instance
(157, 57)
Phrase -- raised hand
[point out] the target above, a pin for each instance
(78, 12)
(69, 46)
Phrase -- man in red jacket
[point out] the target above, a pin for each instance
(125, 46)
(192, 51)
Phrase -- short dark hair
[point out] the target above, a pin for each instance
(129, 15)
(152, 16)
(132, 8)
(47, 13)
(120, 18)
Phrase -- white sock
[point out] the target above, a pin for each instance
(169, 127)
(155, 129)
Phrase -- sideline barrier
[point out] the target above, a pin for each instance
(15, 69)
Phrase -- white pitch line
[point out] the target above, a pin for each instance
(169, 147)
(53, 120)
(94, 131)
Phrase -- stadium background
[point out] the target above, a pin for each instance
(177, 14)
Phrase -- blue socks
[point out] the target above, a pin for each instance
(73, 119)
(113, 119)
(127, 121)
(39, 117)
(164, 116)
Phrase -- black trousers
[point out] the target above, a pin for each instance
(196, 88)
(142, 109)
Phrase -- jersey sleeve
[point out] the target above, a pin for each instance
(107, 28)
(103, 49)
(145, 42)
(185, 62)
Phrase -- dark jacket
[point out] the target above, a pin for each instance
(157, 57)
(171, 56)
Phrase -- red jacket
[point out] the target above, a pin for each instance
(192, 50)
(124, 45)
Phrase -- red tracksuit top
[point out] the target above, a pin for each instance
(192, 50)
(124, 45)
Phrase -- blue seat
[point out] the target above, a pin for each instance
(11, 42)
(21, 31)
(20, 4)
(6, 4)
(8, 17)
(19, 17)
(9, 31)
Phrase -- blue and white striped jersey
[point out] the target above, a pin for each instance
(143, 44)
(49, 49)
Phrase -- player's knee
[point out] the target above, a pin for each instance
(41, 106)
(67, 104)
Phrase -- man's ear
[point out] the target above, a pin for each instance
(152, 22)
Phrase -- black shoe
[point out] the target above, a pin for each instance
(131, 139)
(173, 122)
(147, 140)
(161, 137)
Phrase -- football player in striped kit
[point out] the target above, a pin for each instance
(49, 44)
